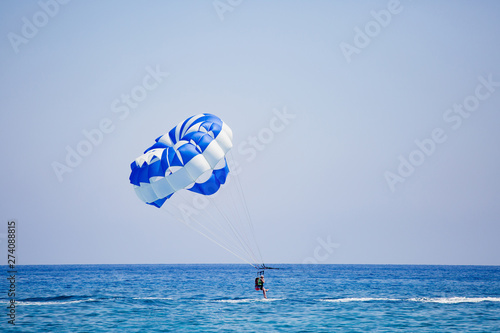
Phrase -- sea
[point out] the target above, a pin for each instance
(222, 298)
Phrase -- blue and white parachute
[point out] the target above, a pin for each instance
(191, 156)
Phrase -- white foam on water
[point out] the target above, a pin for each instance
(247, 300)
(441, 300)
(154, 298)
(357, 299)
(54, 302)
(455, 300)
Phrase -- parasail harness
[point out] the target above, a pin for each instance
(262, 269)
(260, 272)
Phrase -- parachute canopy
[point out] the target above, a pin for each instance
(191, 156)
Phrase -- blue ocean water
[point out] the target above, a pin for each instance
(210, 298)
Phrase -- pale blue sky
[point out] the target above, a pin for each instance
(323, 176)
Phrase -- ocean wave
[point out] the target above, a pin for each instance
(63, 300)
(455, 300)
(441, 300)
(54, 302)
(247, 300)
(356, 299)
(154, 298)
(235, 300)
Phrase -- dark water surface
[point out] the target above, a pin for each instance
(302, 298)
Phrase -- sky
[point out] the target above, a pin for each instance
(366, 132)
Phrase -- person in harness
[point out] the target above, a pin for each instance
(259, 285)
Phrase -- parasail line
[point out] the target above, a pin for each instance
(208, 237)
